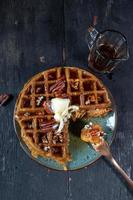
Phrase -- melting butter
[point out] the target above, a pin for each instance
(59, 105)
(62, 110)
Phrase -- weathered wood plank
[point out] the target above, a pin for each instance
(33, 35)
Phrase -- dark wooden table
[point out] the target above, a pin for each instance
(33, 36)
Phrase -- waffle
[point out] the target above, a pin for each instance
(38, 126)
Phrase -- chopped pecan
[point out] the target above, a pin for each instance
(45, 139)
(56, 150)
(87, 102)
(57, 138)
(47, 148)
(39, 113)
(4, 98)
(91, 99)
(59, 85)
(47, 107)
(29, 124)
(100, 99)
(26, 114)
(26, 102)
(97, 132)
(39, 100)
(40, 120)
(50, 76)
(39, 89)
(75, 85)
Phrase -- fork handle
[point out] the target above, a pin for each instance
(121, 171)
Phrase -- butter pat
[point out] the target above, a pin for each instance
(62, 111)
(59, 105)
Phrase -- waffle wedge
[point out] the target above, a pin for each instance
(38, 126)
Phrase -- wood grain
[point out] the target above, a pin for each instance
(33, 36)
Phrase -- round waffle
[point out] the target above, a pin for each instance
(37, 125)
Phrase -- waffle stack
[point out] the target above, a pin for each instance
(38, 126)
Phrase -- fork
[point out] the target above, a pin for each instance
(104, 149)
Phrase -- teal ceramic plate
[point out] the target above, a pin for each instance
(82, 153)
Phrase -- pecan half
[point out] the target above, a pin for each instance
(48, 126)
(59, 85)
(47, 107)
